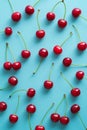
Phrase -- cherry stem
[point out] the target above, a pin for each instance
(60, 103)
(29, 121)
(51, 71)
(77, 32)
(66, 39)
(23, 90)
(82, 122)
(46, 113)
(10, 52)
(66, 80)
(17, 105)
(83, 17)
(6, 55)
(78, 65)
(55, 5)
(21, 36)
(36, 3)
(66, 106)
(38, 67)
(64, 9)
(1, 89)
(11, 5)
(85, 77)
(1, 31)
(38, 19)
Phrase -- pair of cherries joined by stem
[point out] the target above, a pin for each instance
(62, 23)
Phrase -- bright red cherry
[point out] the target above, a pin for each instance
(13, 80)
(29, 10)
(76, 12)
(62, 23)
(75, 92)
(31, 92)
(67, 61)
(43, 53)
(82, 46)
(13, 118)
(80, 75)
(31, 108)
(39, 127)
(7, 65)
(8, 31)
(16, 16)
(64, 120)
(50, 16)
(48, 84)
(57, 49)
(16, 65)
(25, 54)
(3, 106)
(40, 34)
(75, 108)
(55, 117)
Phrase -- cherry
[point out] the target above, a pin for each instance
(39, 127)
(8, 31)
(76, 12)
(13, 118)
(75, 92)
(3, 106)
(80, 75)
(75, 108)
(13, 80)
(31, 108)
(64, 120)
(16, 65)
(67, 61)
(31, 92)
(7, 65)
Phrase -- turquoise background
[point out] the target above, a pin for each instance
(54, 35)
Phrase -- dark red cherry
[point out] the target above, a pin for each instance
(16, 16)
(80, 75)
(57, 49)
(31, 108)
(50, 16)
(48, 84)
(75, 108)
(82, 46)
(31, 92)
(39, 127)
(3, 106)
(64, 120)
(43, 53)
(25, 54)
(55, 117)
(75, 92)
(8, 31)
(76, 12)
(29, 10)
(16, 65)
(40, 34)
(13, 118)
(7, 65)
(13, 80)
(62, 23)
(67, 61)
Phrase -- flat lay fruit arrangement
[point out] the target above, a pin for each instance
(43, 66)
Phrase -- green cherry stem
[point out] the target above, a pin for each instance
(78, 65)
(20, 90)
(55, 5)
(6, 88)
(50, 71)
(46, 113)
(29, 121)
(17, 105)
(6, 53)
(36, 3)
(38, 19)
(64, 9)
(11, 5)
(66, 106)
(83, 17)
(82, 121)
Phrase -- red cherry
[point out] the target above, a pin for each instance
(75, 92)
(16, 16)
(50, 16)
(67, 61)
(13, 118)
(62, 23)
(48, 84)
(8, 31)
(7, 65)
(16, 65)
(80, 75)
(43, 53)
(13, 80)
(64, 120)
(31, 92)
(3, 106)
(75, 108)
(82, 46)
(40, 34)
(57, 49)
(29, 10)
(25, 54)
(55, 117)
(39, 127)
(76, 12)
(31, 108)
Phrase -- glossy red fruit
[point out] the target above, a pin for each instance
(75, 108)
(67, 61)
(55, 117)
(50, 16)
(3, 106)
(13, 118)
(8, 31)
(16, 16)
(43, 53)
(80, 75)
(62, 23)
(31, 108)
(31, 92)
(25, 54)
(7, 65)
(57, 49)
(75, 92)
(64, 120)
(40, 34)
(16, 65)
(39, 127)
(13, 80)
(48, 84)
(82, 46)
(76, 12)
(29, 10)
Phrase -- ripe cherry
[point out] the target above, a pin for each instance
(7, 65)
(31, 92)
(39, 127)
(75, 92)
(8, 31)
(3, 106)
(80, 75)
(64, 120)
(16, 65)
(13, 118)
(31, 108)
(75, 108)
(76, 12)
(13, 80)
(67, 61)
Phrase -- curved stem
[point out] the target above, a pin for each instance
(1, 89)
(17, 105)
(66, 80)
(77, 65)
(55, 5)
(66, 107)
(50, 71)
(29, 122)
(64, 9)
(36, 3)
(11, 5)
(83, 17)
(16, 92)
(46, 113)
(82, 122)
(38, 19)
(22, 39)
(66, 39)
(77, 32)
